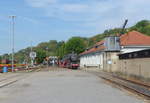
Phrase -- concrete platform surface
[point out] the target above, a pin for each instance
(63, 87)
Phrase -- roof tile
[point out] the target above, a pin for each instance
(134, 38)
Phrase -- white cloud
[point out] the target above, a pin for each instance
(40, 3)
(101, 14)
(74, 8)
(27, 19)
(78, 12)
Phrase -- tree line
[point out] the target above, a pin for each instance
(74, 44)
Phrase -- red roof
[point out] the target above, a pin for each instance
(100, 42)
(94, 49)
(133, 38)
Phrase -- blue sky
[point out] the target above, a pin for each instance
(44, 20)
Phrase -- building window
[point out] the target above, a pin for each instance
(135, 54)
(112, 42)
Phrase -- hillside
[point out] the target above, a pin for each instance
(142, 26)
(53, 47)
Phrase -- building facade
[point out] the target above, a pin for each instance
(104, 54)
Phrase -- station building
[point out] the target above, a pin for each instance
(106, 51)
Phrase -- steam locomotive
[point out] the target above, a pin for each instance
(70, 61)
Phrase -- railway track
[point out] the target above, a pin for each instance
(145, 85)
(136, 87)
(14, 77)
(10, 79)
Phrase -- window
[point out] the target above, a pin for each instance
(112, 42)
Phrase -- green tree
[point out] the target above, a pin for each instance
(61, 50)
(49, 47)
(146, 30)
(41, 55)
(75, 44)
(0, 59)
(142, 26)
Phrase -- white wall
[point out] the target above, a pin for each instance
(92, 60)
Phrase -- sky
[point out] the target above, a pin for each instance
(43, 20)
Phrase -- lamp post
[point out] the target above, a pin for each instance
(13, 42)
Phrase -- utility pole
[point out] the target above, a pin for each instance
(13, 41)
(47, 57)
(31, 54)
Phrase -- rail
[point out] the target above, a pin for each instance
(139, 88)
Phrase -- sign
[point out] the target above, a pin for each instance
(32, 54)
(53, 57)
(109, 62)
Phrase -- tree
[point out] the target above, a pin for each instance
(146, 30)
(41, 55)
(0, 59)
(75, 44)
(61, 50)
(49, 47)
(142, 23)
(142, 26)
